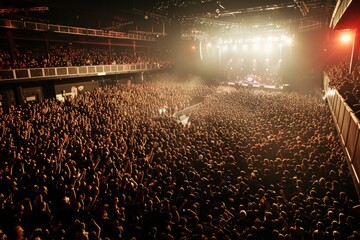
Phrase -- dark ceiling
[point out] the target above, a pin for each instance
(168, 8)
(102, 14)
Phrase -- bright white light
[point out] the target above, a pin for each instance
(280, 60)
(289, 40)
(209, 45)
(254, 60)
(257, 39)
(256, 46)
(268, 46)
(244, 46)
(162, 110)
(333, 92)
(345, 37)
(267, 69)
(234, 47)
(225, 47)
(267, 59)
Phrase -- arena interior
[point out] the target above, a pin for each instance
(179, 120)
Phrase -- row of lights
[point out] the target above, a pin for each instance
(254, 69)
(283, 39)
(255, 46)
(266, 60)
(268, 47)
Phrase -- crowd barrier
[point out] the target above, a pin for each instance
(63, 72)
(348, 127)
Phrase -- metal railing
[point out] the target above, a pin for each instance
(339, 11)
(35, 26)
(66, 72)
(348, 127)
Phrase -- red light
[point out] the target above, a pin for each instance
(345, 37)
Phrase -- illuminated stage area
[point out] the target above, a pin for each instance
(255, 61)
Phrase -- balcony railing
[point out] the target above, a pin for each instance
(68, 72)
(348, 127)
(6, 23)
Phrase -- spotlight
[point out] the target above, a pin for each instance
(270, 39)
(345, 37)
(257, 39)
(256, 46)
(268, 46)
(289, 40)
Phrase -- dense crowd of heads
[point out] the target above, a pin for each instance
(107, 164)
(61, 55)
(347, 83)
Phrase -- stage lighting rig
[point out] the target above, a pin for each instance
(302, 6)
(31, 9)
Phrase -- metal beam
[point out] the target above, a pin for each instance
(32, 9)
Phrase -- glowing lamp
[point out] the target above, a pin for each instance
(345, 37)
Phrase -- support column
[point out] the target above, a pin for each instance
(355, 51)
(47, 46)
(134, 49)
(11, 43)
(19, 95)
(110, 48)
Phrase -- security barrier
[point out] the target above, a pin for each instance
(348, 127)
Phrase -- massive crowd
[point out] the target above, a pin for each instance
(107, 164)
(348, 84)
(61, 55)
